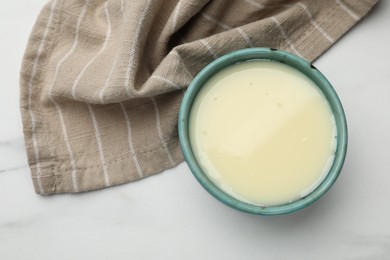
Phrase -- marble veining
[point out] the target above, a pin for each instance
(13, 169)
(12, 154)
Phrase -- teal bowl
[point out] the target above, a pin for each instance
(295, 62)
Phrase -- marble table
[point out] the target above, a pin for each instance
(169, 216)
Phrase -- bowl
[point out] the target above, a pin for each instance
(303, 66)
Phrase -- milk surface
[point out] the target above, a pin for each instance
(263, 132)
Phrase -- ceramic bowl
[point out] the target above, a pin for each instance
(279, 56)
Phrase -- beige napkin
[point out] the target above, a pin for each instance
(102, 81)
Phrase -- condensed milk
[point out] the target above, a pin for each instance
(263, 132)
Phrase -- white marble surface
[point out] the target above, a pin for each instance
(170, 216)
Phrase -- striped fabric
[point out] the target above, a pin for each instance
(102, 80)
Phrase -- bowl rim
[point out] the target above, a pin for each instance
(296, 62)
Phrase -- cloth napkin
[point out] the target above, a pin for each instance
(102, 80)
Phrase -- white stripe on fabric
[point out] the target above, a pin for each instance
(30, 86)
(210, 50)
(130, 141)
(122, 7)
(91, 112)
(348, 10)
(245, 36)
(314, 23)
(211, 19)
(66, 139)
(108, 78)
(99, 145)
(175, 16)
(73, 47)
(174, 52)
(308, 14)
(255, 4)
(58, 107)
(227, 27)
(169, 82)
(160, 134)
(107, 37)
(131, 65)
(101, 94)
(284, 34)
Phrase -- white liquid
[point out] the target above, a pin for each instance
(263, 132)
